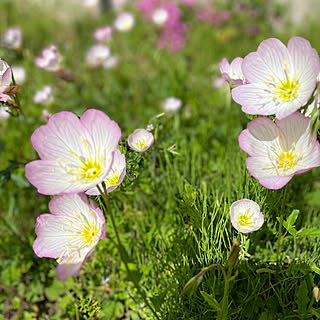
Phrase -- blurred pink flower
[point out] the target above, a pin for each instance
(70, 233)
(75, 154)
(124, 22)
(43, 96)
(103, 34)
(50, 59)
(45, 115)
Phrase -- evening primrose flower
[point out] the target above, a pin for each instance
(159, 16)
(43, 96)
(5, 76)
(245, 216)
(140, 140)
(232, 72)
(97, 55)
(124, 22)
(279, 150)
(103, 34)
(172, 104)
(50, 59)
(12, 38)
(70, 233)
(115, 175)
(75, 154)
(110, 62)
(281, 79)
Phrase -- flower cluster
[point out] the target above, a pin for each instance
(167, 16)
(77, 157)
(277, 80)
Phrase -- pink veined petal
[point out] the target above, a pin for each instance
(67, 205)
(312, 160)
(254, 99)
(7, 77)
(66, 270)
(52, 236)
(105, 132)
(287, 108)
(296, 128)
(50, 179)
(258, 139)
(236, 64)
(62, 136)
(261, 168)
(224, 66)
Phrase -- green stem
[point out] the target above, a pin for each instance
(122, 250)
(281, 222)
(223, 314)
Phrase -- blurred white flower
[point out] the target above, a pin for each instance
(4, 114)
(150, 127)
(97, 55)
(111, 62)
(90, 3)
(159, 16)
(43, 96)
(124, 22)
(45, 115)
(140, 140)
(19, 74)
(172, 104)
(118, 4)
(12, 38)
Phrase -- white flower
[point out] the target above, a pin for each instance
(124, 22)
(43, 96)
(172, 104)
(19, 74)
(150, 127)
(159, 16)
(140, 140)
(110, 62)
(4, 114)
(12, 38)
(245, 216)
(50, 59)
(97, 55)
(281, 79)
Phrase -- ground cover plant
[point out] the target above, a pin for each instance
(144, 177)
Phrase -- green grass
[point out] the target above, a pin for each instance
(174, 214)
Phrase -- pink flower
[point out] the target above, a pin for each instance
(140, 140)
(75, 154)
(103, 34)
(115, 175)
(280, 150)
(12, 38)
(124, 22)
(45, 115)
(281, 79)
(50, 59)
(245, 216)
(232, 72)
(70, 233)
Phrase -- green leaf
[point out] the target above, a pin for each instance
(213, 303)
(291, 220)
(302, 298)
(309, 232)
(112, 309)
(55, 290)
(192, 285)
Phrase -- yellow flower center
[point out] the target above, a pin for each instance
(113, 179)
(89, 234)
(287, 159)
(141, 143)
(244, 220)
(287, 89)
(90, 170)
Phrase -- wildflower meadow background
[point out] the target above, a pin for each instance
(158, 160)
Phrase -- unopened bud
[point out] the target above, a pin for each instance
(234, 254)
(316, 293)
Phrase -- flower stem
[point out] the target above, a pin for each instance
(122, 250)
(281, 222)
